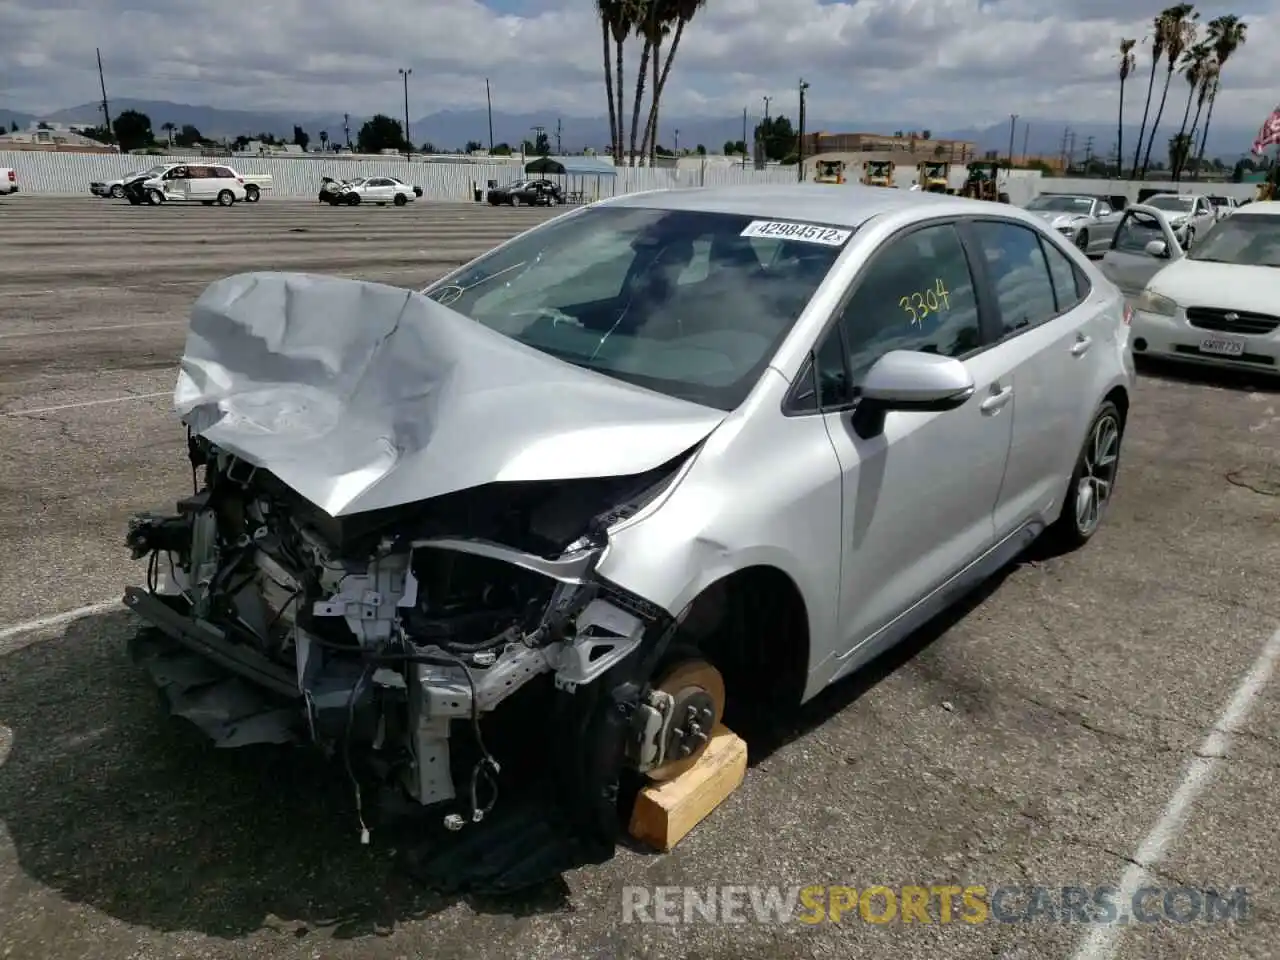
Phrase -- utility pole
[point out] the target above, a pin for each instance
(106, 108)
(1088, 153)
(1013, 123)
(538, 131)
(489, 102)
(766, 108)
(346, 128)
(1062, 150)
(408, 140)
(744, 138)
(800, 137)
(1071, 150)
(676, 148)
(1026, 135)
(559, 143)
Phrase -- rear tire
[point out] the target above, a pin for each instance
(117, 192)
(251, 194)
(1092, 482)
(401, 200)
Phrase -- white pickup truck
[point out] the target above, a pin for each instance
(8, 181)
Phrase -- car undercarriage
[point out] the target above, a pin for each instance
(391, 640)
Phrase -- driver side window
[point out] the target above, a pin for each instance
(1136, 230)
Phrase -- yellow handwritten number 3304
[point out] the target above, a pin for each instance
(924, 302)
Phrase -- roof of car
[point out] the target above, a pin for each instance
(845, 206)
(1269, 208)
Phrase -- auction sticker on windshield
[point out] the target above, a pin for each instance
(804, 232)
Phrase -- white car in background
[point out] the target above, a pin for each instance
(1218, 304)
(1087, 221)
(1190, 214)
(115, 188)
(1223, 207)
(379, 190)
(8, 181)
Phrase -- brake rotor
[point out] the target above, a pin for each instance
(698, 691)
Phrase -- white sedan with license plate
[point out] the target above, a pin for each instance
(1217, 305)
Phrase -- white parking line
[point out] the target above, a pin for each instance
(86, 403)
(1103, 940)
(14, 638)
(74, 330)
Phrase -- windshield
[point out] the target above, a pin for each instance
(1171, 204)
(1249, 240)
(1062, 204)
(689, 304)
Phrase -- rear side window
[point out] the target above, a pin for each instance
(1069, 284)
(1019, 273)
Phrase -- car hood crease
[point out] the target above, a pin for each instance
(361, 396)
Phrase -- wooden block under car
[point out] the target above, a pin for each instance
(664, 813)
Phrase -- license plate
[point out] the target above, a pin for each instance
(1222, 347)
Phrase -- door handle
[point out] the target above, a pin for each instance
(997, 400)
(1081, 346)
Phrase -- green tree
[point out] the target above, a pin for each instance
(1195, 66)
(429, 148)
(734, 147)
(1127, 64)
(324, 139)
(133, 129)
(379, 133)
(541, 146)
(1179, 31)
(618, 19)
(700, 150)
(13, 126)
(680, 12)
(777, 136)
(473, 146)
(169, 127)
(301, 137)
(1179, 150)
(240, 143)
(527, 149)
(188, 136)
(1226, 35)
(501, 150)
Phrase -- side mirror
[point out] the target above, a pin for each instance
(1158, 249)
(909, 380)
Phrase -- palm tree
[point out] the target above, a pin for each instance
(1208, 82)
(1127, 63)
(605, 10)
(1194, 62)
(324, 139)
(654, 28)
(645, 24)
(682, 11)
(1179, 33)
(168, 128)
(1157, 51)
(617, 21)
(1226, 36)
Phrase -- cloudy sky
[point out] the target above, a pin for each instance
(942, 62)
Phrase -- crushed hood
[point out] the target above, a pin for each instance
(361, 396)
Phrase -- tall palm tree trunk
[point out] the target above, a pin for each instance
(617, 73)
(661, 84)
(1208, 119)
(1180, 160)
(651, 122)
(1195, 126)
(1151, 84)
(608, 88)
(635, 109)
(1155, 127)
(1120, 134)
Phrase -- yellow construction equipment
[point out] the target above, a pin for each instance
(830, 171)
(1267, 189)
(878, 173)
(933, 175)
(981, 184)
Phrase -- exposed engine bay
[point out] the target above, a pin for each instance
(390, 636)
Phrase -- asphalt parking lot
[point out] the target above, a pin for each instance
(1047, 736)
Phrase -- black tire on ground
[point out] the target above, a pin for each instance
(207, 203)
(226, 198)
(1082, 241)
(117, 192)
(1067, 532)
(401, 200)
(134, 201)
(252, 194)
(515, 201)
(353, 200)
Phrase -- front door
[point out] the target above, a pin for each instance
(1128, 263)
(918, 498)
(1047, 345)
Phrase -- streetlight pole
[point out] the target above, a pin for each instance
(744, 138)
(676, 148)
(489, 102)
(408, 141)
(1013, 123)
(800, 139)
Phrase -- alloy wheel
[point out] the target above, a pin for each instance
(1098, 474)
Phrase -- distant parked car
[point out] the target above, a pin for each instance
(1190, 214)
(379, 190)
(1087, 221)
(8, 181)
(1223, 207)
(529, 192)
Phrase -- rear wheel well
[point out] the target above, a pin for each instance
(753, 626)
(1120, 397)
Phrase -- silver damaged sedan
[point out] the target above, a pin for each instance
(525, 538)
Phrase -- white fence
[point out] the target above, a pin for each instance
(71, 173)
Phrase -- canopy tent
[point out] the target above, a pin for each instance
(572, 166)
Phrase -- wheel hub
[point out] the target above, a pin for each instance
(690, 699)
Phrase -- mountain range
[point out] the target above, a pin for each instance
(452, 129)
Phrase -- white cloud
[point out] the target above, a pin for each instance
(948, 63)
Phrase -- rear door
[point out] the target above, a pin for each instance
(201, 183)
(1047, 340)
(1127, 263)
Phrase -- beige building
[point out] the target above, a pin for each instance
(910, 148)
(53, 138)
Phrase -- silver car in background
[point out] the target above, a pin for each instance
(1088, 222)
(670, 457)
(1190, 214)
